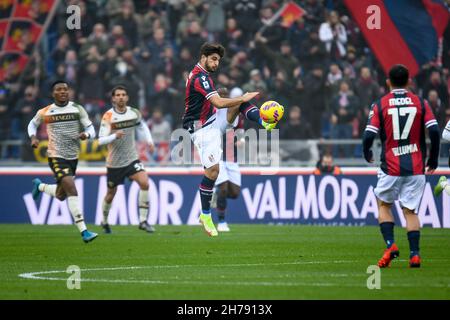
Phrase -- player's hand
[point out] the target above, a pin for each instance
(119, 134)
(249, 96)
(431, 166)
(368, 156)
(151, 147)
(34, 142)
(83, 135)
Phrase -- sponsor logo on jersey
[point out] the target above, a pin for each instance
(123, 124)
(62, 117)
(410, 148)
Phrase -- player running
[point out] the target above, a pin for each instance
(205, 128)
(400, 117)
(67, 123)
(443, 183)
(117, 130)
(228, 183)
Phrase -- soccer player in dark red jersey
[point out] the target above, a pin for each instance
(206, 129)
(400, 118)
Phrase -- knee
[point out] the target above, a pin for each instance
(234, 194)
(213, 172)
(61, 197)
(383, 204)
(223, 193)
(144, 186)
(109, 198)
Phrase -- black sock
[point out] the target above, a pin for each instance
(206, 192)
(413, 238)
(387, 230)
(250, 111)
(221, 206)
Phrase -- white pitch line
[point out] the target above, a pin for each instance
(38, 276)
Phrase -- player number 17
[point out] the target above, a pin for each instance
(401, 112)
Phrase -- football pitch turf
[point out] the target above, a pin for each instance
(251, 262)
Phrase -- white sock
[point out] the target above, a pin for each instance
(76, 213)
(49, 189)
(105, 208)
(143, 205)
(446, 187)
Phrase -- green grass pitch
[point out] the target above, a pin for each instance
(251, 262)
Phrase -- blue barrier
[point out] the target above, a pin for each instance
(289, 197)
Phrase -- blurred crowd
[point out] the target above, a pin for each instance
(321, 69)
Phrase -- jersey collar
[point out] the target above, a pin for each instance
(63, 105)
(399, 91)
(201, 68)
(117, 111)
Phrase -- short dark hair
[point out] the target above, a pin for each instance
(399, 76)
(58, 82)
(119, 87)
(208, 49)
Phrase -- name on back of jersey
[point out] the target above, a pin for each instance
(400, 101)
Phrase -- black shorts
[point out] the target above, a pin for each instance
(62, 167)
(117, 176)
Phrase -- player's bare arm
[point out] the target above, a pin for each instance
(220, 102)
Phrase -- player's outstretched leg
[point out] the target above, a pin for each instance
(206, 191)
(441, 186)
(251, 112)
(386, 221)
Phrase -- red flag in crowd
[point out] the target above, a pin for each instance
(22, 24)
(290, 13)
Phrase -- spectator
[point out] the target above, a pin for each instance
(436, 83)
(5, 114)
(280, 61)
(296, 35)
(313, 52)
(71, 64)
(296, 127)
(344, 106)
(244, 11)
(334, 35)
(118, 39)
(325, 166)
(156, 47)
(315, 94)
(193, 39)
(25, 110)
(91, 89)
(159, 127)
(215, 18)
(59, 52)
(437, 107)
(98, 38)
(334, 78)
(233, 38)
(368, 91)
(256, 82)
(128, 22)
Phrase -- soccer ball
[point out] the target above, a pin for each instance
(271, 111)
